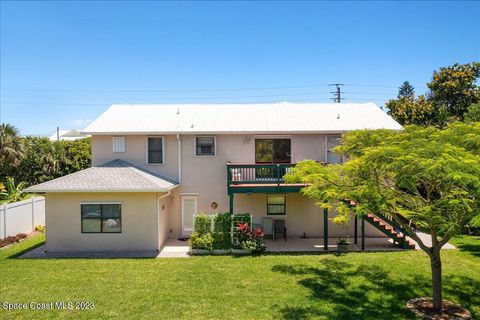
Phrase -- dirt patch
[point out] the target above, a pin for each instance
(424, 307)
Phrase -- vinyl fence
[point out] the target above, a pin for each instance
(21, 216)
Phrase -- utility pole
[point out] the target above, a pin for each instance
(58, 133)
(337, 95)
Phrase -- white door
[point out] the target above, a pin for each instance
(189, 208)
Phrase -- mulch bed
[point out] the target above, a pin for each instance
(424, 307)
(11, 240)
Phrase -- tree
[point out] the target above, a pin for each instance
(412, 111)
(11, 149)
(473, 113)
(452, 90)
(426, 175)
(406, 91)
(454, 87)
(12, 192)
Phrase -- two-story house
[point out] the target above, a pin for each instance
(155, 166)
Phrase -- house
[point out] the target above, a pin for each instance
(68, 135)
(155, 166)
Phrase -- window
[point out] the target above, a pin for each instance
(155, 150)
(332, 142)
(118, 144)
(272, 151)
(205, 146)
(101, 217)
(276, 205)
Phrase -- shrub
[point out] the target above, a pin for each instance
(249, 239)
(202, 224)
(222, 231)
(204, 242)
(40, 228)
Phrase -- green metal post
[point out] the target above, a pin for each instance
(363, 233)
(325, 229)
(231, 203)
(356, 231)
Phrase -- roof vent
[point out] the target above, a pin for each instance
(338, 116)
(178, 110)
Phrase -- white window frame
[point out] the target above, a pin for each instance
(326, 146)
(123, 144)
(147, 160)
(206, 155)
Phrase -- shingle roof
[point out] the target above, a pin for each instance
(241, 118)
(114, 176)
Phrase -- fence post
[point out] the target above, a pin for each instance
(5, 220)
(33, 213)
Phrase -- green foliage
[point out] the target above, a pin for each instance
(12, 192)
(202, 224)
(36, 160)
(454, 87)
(406, 91)
(473, 113)
(222, 231)
(204, 242)
(40, 228)
(452, 91)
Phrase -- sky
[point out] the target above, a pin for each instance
(63, 63)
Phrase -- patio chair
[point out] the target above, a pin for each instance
(267, 225)
(279, 229)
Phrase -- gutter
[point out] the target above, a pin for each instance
(179, 156)
(158, 215)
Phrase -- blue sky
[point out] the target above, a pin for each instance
(64, 63)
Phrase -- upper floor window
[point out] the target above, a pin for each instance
(272, 151)
(205, 146)
(101, 217)
(155, 150)
(332, 142)
(118, 144)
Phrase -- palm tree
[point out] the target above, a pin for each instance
(11, 146)
(12, 192)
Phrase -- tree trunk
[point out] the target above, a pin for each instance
(436, 265)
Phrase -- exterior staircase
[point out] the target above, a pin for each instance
(390, 229)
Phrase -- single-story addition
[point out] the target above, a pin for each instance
(155, 166)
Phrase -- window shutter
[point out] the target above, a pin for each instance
(118, 144)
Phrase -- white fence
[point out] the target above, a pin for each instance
(21, 216)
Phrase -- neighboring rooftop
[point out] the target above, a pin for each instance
(241, 118)
(114, 176)
(68, 135)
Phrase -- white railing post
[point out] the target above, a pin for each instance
(5, 220)
(33, 213)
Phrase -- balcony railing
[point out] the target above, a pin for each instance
(257, 173)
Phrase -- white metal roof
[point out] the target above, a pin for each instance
(68, 135)
(114, 176)
(282, 117)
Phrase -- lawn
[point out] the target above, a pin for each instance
(352, 286)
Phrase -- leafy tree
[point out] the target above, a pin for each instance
(12, 192)
(454, 87)
(406, 91)
(426, 175)
(473, 113)
(452, 90)
(412, 111)
(11, 149)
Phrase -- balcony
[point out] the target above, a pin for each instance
(260, 178)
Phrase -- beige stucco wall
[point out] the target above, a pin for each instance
(205, 177)
(139, 223)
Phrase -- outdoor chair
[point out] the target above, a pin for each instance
(279, 229)
(267, 225)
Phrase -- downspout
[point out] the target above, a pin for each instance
(158, 215)
(179, 156)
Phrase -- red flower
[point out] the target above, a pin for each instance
(242, 227)
(258, 233)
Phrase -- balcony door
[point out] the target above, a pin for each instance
(272, 151)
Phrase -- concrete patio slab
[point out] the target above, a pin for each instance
(174, 248)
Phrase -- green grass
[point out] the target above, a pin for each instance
(352, 286)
